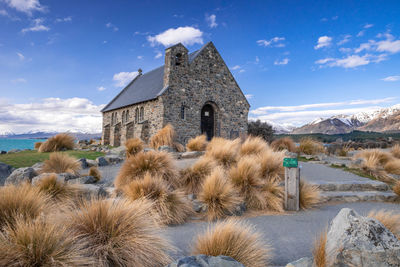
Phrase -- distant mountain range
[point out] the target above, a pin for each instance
(44, 135)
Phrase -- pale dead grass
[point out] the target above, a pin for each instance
(60, 163)
(310, 146)
(396, 151)
(218, 195)
(234, 239)
(396, 188)
(393, 166)
(274, 195)
(192, 177)
(271, 165)
(253, 145)
(93, 171)
(319, 251)
(389, 219)
(57, 190)
(309, 195)
(164, 137)
(37, 145)
(62, 141)
(285, 143)
(133, 146)
(223, 151)
(199, 143)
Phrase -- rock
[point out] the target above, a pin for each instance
(14, 151)
(83, 163)
(147, 149)
(91, 163)
(90, 190)
(61, 177)
(197, 205)
(5, 171)
(303, 262)
(101, 161)
(191, 154)
(166, 149)
(206, 261)
(113, 159)
(358, 161)
(37, 166)
(83, 180)
(21, 175)
(354, 240)
(119, 151)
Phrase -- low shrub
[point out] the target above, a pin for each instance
(58, 142)
(389, 219)
(261, 129)
(309, 195)
(119, 232)
(234, 239)
(172, 206)
(218, 195)
(93, 171)
(57, 190)
(396, 151)
(253, 145)
(223, 151)
(133, 146)
(285, 143)
(199, 143)
(271, 165)
(192, 177)
(60, 163)
(37, 145)
(319, 251)
(164, 137)
(310, 146)
(153, 162)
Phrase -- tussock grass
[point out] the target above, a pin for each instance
(199, 143)
(23, 201)
(164, 137)
(37, 145)
(234, 239)
(57, 190)
(285, 143)
(93, 171)
(192, 177)
(393, 166)
(133, 146)
(223, 151)
(58, 142)
(309, 195)
(218, 195)
(60, 163)
(396, 151)
(253, 145)
(153, 162)
(274, 195)
(319, 251)
(245, 177)
(179, 147)
(374, 164)
(389, 219)
(271, 165)
(40, 243)
(377, 156)
(120, 232)
(172, 206)
(396, 188)
(310, 146)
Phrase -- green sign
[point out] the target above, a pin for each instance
(290, 162)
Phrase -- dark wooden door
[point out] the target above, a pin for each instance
(207, 121)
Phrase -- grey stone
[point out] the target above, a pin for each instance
(166, 149)
(66, 176)
(303, 262)
(83, 162)
(5, 171)
(206, 261)
(358, 161)
(83, 180)
(91, 163)
(101, 161)
(119, 151)
(354, 240)
(91, 190)
(37, 166)
(356, 196)
(14, 151)
(113, 159)
(61, 177)
(197, 205)
(191, 154)
(147, 149)
(21, 175)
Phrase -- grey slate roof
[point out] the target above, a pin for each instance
(144, 87)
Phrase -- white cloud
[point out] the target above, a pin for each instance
(323, 41)
(139, 57)
(236, 67)
(19, 80)
(158, 55)
(351, 61)
(282, 62)
(3, 13)
(112, 26)
(367, 26)
(242, 70)
(37, 26)
(276, 42)
(26, 6)
(185, 35)
(123, 78)
(20, 56)
(392, 78)
(211, 21)
(66, 19)
(249, 96)
(101, 88)
(51, 114)
(361, 33)
(389, 45)
(345, 39)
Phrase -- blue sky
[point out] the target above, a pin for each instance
(60, 61)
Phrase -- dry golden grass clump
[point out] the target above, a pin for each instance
(396, 151)
(253, 145)
(93, 171)
(319, 251)
(223, 151)
(393, 166)
(40, 244)
(58, 142)
(271, 165)
(57, 190)
(60, 163)
(234, 239)
(377, 156)
(37, 145)
(310, 146)
(199, 143)
(192, 177)
(23, 201)
(153, 162)
(133, 146)
(274, 195)
(172, 206)
(396, 188)
(164, 137)
(309, 195)
(285, 143)
(178, 147)
(119, 232)
(389, 219)
(218, 195)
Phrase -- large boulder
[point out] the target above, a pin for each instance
(303, 262)
(21, 175)
(354, 240)
(61, 177)
(83, 180)
(101, 161)
(5, 171)
(113, 159)
(119, 151)
(83, 163)
(206, 261)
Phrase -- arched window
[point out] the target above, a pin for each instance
(182, 112)
(137, 115)
(123, 116)
(127, 116)
(178, 59)
(112, 118)
(141, 114)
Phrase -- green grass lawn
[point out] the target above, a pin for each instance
(28, 158)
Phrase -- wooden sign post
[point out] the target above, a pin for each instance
(292, 184)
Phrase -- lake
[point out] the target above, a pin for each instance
(7, 144)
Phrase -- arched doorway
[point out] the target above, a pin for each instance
(208, 121)
(117, 134)
(106, 135)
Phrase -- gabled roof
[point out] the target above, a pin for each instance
(144, 87)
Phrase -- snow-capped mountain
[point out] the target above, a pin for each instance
(44, 134)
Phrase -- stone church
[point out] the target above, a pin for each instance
(194, 92)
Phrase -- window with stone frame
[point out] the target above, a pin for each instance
(123, 117)
(127, 116)
(137, 115)
(141, 114)
(183, 115)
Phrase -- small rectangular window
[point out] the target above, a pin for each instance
(182, 112)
